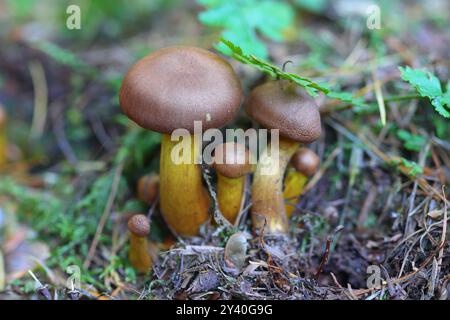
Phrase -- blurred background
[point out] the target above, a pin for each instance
(65, 135)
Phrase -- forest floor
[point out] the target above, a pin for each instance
(373, 223)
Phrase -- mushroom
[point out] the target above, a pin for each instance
(235, 252)
(232, 164)
(168, 90)
(2, 136)
(283, 106)
(304, 164)
(147, 189)
(139, 257)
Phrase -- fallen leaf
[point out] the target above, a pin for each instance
(205, 281)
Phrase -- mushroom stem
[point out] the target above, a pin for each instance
(183, 199)
(293, 188)
(139, 257)
(230, 194)
(267, 191)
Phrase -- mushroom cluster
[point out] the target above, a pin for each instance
(173, 88)
(170, 89)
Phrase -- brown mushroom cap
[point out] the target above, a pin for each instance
(173, 87)
(148, 188)
(305, 161)
(281, 105)
(139, 225)
(232, 160)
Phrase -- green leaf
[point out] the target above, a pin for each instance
(242, 20)
(411, 141)
(439, 105)
(415, 169)
(313, 88)
(347, 97)
(271, 18)
(425, 82)
(316, 6)
(428, 85)
(442, 129)
(21, 9)
(249, 43)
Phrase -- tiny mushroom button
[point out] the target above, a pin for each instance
(232, 163)
(305, 163)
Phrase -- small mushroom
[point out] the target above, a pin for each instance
(286, 107)
(147, 188)
(3, 140)
(168, 90)
(232, 163)
(139, 255)
(235, 252)
(304, 163)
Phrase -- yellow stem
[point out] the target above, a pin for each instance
(230, 193)
(184, 201)
(293, 188)
(138, 255)
(267, 190)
